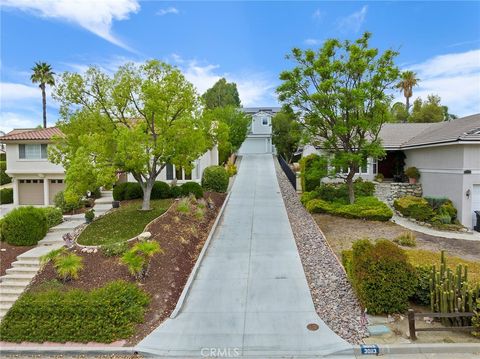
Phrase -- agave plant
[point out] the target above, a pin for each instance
(138, 258)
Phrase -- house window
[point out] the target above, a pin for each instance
(169, 172)
(264, 121)
(178, 173)
(32, 151)
(375, 166)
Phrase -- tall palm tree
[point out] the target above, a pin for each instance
(43, 75)
(407, 83)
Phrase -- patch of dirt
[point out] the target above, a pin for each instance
(8, 255)
(342, 232)
(181, 236)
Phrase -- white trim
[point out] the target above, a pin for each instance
(446, 143)
(450, 171)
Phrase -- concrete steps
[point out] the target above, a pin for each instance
(52, 238)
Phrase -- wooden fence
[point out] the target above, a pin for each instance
(413, 331)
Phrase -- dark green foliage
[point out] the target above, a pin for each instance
(160, 190)
(127, 190)
(114, 249)
(415, 207)
(422, 288)
(3, 156)
(339, 191)
(438, 211)
(381, 276)
(286, 134)
(412, 172)
(476, 319)
(215, 178)
(192, 188)
(436, 202)
(176, 191)
(4, 178)
(24, 226)
(313, 168)
(308, 196)
(6, 195)
(65, 206)
(102, 315)
(369, 208)
(53, 215)
(221, 94)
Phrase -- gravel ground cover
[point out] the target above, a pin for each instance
(333, 296)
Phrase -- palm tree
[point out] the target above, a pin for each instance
(406, 84)
(43, 75)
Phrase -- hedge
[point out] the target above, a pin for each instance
(192, 188)
(6, 195)
(4, 178)
(415, 207)
(369, 208)
(160, 190)
(313, 168)
(381, 276)
(24, 226)
(102, 315)
(127, 190)
(60, 202)
(53, 216)
(215, 178)
(339, 191)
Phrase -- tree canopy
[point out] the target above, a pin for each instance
(430, 110)
(286, 133)
(339, 92)
(222, 94)
(136, 120)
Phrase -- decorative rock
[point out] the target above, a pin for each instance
(144, 236)
(3, 249)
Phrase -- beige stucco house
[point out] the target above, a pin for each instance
(447, 155)
(36, 180)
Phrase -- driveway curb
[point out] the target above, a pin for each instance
(196, 267)
(427, 348)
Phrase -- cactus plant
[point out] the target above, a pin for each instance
(450, 292)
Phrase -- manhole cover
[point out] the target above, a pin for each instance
(312, 327)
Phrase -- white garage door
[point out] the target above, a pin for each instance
(30, 191)
(475, 201)
(255, 145)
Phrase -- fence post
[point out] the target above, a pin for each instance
(411, 324)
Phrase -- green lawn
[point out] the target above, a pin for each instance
(122, 224)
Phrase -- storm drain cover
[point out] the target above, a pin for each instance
(312, 327)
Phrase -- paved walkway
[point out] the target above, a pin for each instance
(250, 296)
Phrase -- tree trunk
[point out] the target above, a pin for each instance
(349, 180)
(407, 105)
(147, 192)
(44, 104)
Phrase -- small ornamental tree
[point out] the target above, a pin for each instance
(137, 120)
(339, 93)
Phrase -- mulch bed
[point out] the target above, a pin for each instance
(181, 236)
(8, 255)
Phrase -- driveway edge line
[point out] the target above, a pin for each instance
(196, 267)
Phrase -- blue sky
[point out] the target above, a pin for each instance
(245, 42)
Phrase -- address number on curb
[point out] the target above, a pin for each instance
(371, 349)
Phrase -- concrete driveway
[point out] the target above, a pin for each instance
(250, 297)
(5, 208)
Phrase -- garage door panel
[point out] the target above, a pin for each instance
(30, 191)
(254, 145)
(55, 186)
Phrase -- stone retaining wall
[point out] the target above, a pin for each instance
(389, 192)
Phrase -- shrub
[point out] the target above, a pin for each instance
(313, 168)
(114, 249)
(102, 315)
(369, 208)
(448, 208)
(90, 215)
(382, 277)
(422, 289)
(176, 191)
(379, 177)
(24, 226)
(133, 191)
(363, 188)
(215, 178)
(231, 169)
(406, 239)
(66, 264)
(183, 206)
(138, 258)
(412, 172)
(53, 215)
(200, 213)
(476, 319)
(160, 190)
(192, 188)
(6, 195)
(4, 178)
(119, 191)
(436, 202)
(308, 196)
(339, 191)
(66, 204)
(347, 256)
(415, 207)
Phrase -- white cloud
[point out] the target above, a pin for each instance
(94, 16)
(169, 10)
(11, 120)
(353, 22)
(454, 77)
(317, 14)
(313, 42)
(15, 91)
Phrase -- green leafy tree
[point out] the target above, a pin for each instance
(137, 121)
(43, 75)
(232, 128)
(222, 94)
(286, 134)
(428, 111)
(399, 112)
(408, 81)
(340, 92)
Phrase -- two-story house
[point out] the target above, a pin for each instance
(36, 180)
(259, 138)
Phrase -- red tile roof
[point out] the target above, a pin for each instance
(31, 134)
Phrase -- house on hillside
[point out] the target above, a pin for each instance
(447, 155)
(259, 138)
(36, 180)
